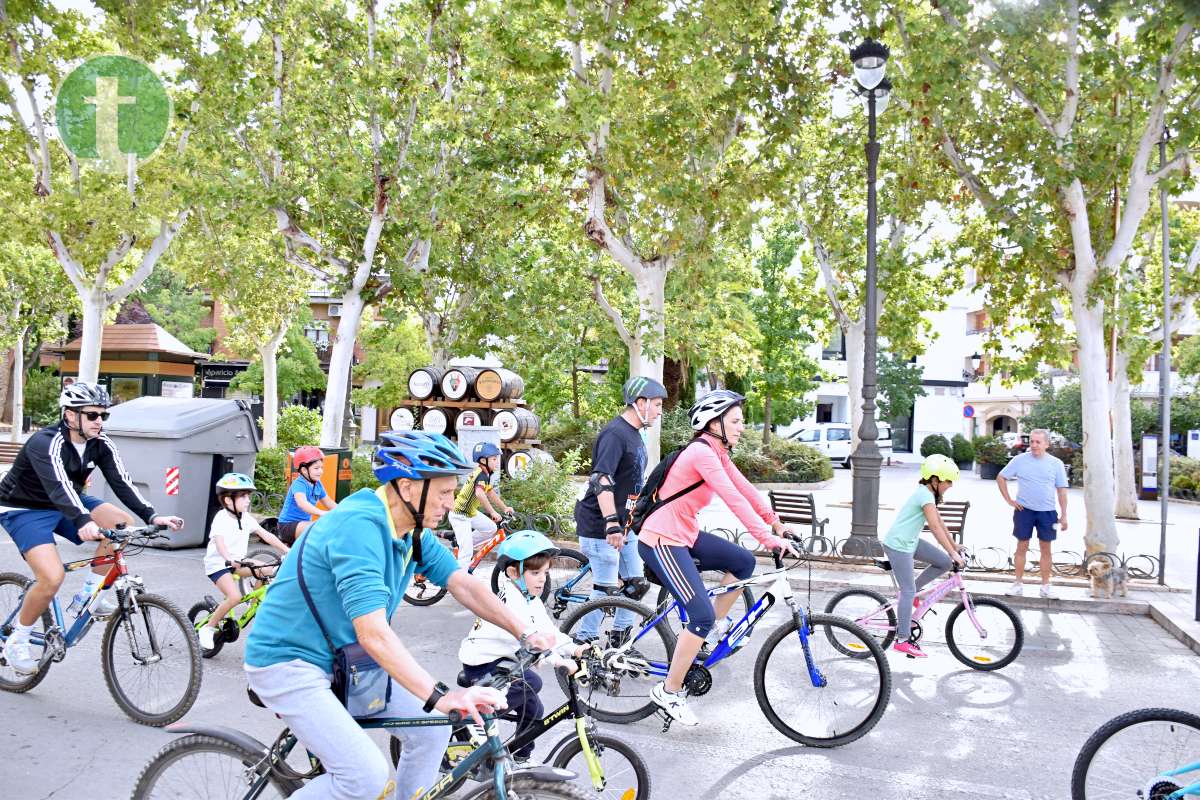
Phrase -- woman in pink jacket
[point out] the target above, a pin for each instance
(671, 542)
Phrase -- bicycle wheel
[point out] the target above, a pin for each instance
(625, 774)
(870, 610)
(570, 581)
(856, 690)
(12, 590)
(1127, 755)
(740, 608)
(527, 787)
(198, 615)
(205, 766)
(153, 672)
(423, 592)
(621, 693)
(994, 644)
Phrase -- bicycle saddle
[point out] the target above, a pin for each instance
(883, 564)
(254, 698)
(463, 681)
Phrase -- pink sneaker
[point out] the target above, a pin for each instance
(909, 649)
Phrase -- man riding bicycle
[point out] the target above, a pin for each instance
(356, 562)
(44, 495)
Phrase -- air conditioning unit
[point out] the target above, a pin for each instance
(335, 309)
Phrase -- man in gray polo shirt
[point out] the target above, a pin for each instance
(1040, 476)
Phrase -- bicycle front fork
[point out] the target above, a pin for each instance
(804, 631)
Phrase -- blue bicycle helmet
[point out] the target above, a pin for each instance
(520, 546)
(235, 482)
(484, 450)
(417, 455)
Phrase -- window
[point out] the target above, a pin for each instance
(837, 434)
(813, 435)
(836, 349)
(123, 389)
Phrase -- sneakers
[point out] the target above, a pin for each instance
(1047, 592)
(19, 656)
(104, 605)
(208, 636)
(1016, 590)
(674, 705)
(909, 649)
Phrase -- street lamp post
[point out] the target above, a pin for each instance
(1164, 371)
(870, 61)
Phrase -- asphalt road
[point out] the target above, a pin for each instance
(949, 733)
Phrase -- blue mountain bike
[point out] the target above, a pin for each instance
(1140, 755)
(820, 680)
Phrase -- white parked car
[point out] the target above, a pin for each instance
(834, 440)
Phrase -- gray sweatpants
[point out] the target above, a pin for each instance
(354, 766)
(902, 567)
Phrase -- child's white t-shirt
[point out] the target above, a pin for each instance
(487, 641)
(236, 536)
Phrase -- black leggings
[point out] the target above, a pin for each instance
(676, 567)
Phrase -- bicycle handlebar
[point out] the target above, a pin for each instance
(122, 533)
(510, 670)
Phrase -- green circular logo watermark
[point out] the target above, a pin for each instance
(112, 108)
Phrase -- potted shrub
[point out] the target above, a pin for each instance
(936, 443)
(991, 454)
(964, 452)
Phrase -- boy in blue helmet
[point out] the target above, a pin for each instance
(525, 557)
(348, 574)
(472, 528)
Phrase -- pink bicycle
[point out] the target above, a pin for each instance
(988, 636)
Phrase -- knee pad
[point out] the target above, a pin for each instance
(635, 588)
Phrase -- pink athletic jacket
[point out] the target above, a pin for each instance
(677, 522)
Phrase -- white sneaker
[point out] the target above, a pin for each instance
(1016, 590)
(208, 636)
(1047, 592)
(104, 605)
(19, 656)
(674, 704)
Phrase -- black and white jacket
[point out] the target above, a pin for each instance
(49, 474)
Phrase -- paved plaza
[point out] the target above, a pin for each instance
(948, 733)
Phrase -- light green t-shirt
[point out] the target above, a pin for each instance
(906, 529)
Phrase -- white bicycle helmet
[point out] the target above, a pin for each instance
(712, 406)
(82, 393)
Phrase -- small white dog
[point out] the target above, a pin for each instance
(1107, 579)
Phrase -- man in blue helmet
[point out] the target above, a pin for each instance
(618, 472)
(341, 585)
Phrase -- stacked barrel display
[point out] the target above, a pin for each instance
(461, 396)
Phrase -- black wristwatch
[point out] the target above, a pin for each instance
(439, 691)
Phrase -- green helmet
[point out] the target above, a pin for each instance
(939, 466)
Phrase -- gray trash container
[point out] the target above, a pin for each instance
(175, 450)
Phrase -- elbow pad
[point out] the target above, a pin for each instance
(600, 483)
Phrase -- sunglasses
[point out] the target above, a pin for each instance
(95, 415)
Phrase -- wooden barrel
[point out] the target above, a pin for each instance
(425, 382)
(541, 455)
(516, 425)
(459, 382)
(470, 418)
(402, 419)
(434, 420)
(517, 463)
(498, 384)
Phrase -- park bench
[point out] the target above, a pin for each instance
(9, 451)
(954, 517)
(797, 508)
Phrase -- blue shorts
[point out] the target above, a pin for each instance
(1026, 519)
(216, 576)
(30, 527)
(676, 568)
